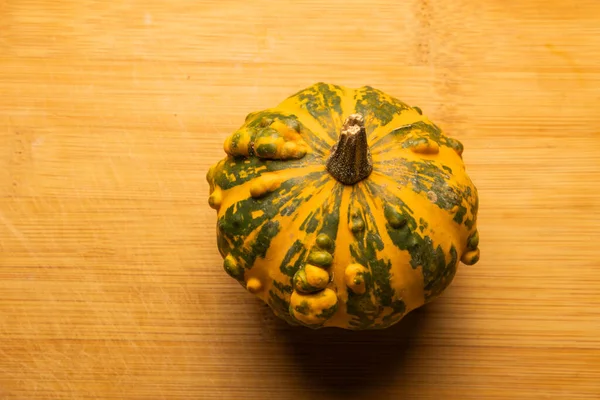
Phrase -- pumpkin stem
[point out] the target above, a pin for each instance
(350, 160)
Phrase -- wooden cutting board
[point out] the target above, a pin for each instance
(111, 112)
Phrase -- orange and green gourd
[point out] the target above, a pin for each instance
(343, 208)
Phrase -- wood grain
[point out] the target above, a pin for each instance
(111, 286)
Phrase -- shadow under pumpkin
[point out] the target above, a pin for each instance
(351, 364)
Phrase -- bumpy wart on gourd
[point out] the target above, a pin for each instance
(343, 208)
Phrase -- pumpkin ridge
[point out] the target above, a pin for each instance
(233, 171)
(404, 194)
(240, 192)
(240, 227)
(424, 251)
(319, 226)
(430, 181)
(341, 257)
(382, 138)
(274, 135)
(366, 307)
(406, 281)
(289, 259)
(391, 155)
(321, 103)
(322, 226)
(266, 118)
(378, 108)
(394, 304)
(422, 127)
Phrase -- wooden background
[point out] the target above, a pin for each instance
(111, 286)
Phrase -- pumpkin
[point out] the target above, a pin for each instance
(343, 208)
